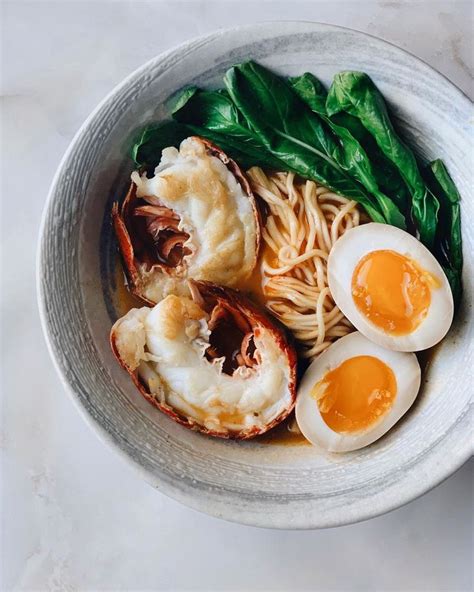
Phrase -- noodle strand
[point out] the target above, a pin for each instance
(303, 223)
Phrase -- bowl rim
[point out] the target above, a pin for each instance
(197, 500)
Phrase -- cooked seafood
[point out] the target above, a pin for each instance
(213, 362)
(195, 218)
(320, 163)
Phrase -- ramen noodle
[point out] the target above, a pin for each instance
(304, 221)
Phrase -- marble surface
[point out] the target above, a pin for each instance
(74, 516)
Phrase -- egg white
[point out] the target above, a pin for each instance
(312, 425)
(343, 259)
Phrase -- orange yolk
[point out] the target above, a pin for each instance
(391, 291)
(356, 394)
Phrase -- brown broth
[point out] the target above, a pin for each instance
(425, 359)
(282, 436)
(124, 300)
(253, 286)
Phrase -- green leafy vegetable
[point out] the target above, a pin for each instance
(212, 115)
(450, 229)
(212, 110)
(448, 237)
(355, 93)
(353, 156)
(386, 174)
(146, 151)
(197, 107)
(290, 131)
(182, 98)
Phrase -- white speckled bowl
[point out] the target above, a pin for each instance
(259, 484)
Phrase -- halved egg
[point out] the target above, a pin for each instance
(354, 392)
(214, 363)
(390, 287)
(195, 218)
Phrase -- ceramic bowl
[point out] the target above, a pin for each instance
(271, 485)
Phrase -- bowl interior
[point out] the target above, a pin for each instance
(251, 482)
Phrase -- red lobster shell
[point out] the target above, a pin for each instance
(234, 321)
(150, 239)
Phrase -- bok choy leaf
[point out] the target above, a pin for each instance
(291, 132)
(448, 237)
(354, 158)
(355, 93)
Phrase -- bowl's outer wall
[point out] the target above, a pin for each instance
(274, 486)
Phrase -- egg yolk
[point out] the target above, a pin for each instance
(391, 291)
(355, 395)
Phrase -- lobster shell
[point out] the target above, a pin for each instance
(214, 295)
(121, 217)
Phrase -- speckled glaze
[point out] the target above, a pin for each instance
(249, 482)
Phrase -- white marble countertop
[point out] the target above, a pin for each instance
(74, 517)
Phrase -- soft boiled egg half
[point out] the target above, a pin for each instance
(390, 287)
(354, 392)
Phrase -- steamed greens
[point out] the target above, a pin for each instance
(342, 138)
(356, 94)
(352, 155)
(213, 115)
(291, 132)
(349, 128)
(448, 237)
(146, 151)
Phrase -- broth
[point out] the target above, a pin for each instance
(282, 436)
